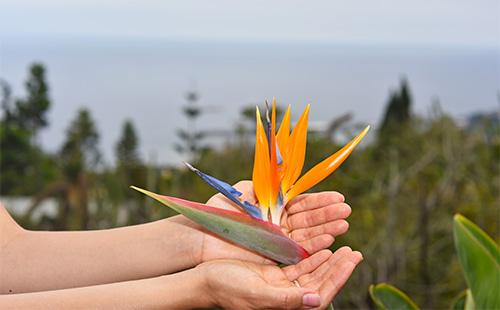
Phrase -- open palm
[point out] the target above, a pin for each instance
(312, 220)
(260, 286)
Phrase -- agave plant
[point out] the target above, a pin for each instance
(278, 162)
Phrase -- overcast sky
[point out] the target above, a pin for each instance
(443, 22)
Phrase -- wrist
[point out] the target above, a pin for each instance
(185, 290)
(191, 236)
(207, 289)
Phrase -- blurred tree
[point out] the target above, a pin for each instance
(130, 171)
(32, 111)
(14, 146)
(190, 137)
(21, 122)
(80, 149)
(126, 149)
(78, 157)
(6, 100)
(398, 110)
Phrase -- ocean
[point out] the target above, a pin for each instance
(146, 80)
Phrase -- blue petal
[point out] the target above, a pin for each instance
(280, 199)
(268, 123)
(279, 158)
(228, 191)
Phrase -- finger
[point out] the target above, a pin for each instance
(317, 243)
(348, 255)
(315, 279)
(291, 298)
(356, 257)
(335, 228)
(319, 216)
(246, 188)
(217, 200)
(307, 265)
(222, 202)
(333, 284)
(313, 201)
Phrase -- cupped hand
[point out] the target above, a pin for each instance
(312, 220)
(312, 283)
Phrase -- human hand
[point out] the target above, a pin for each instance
(312, 283)
(312, 220)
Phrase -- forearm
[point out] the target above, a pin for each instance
(37, 260)
(183, 290)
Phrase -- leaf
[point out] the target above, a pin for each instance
(479, 257)
(387, 297)
(464, 301)
(253, 234)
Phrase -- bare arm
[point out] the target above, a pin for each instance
(33, 261)
(183, 290)
(224, 283)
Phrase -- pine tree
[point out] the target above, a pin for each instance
(32, 111)
(80, 150)
(190, 137)
(126, 149)
(398, 110)
(20, 124)
(79, 155)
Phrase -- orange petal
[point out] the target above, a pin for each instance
(284, 132)
(296, 151)
(261, 167)
(324, 168)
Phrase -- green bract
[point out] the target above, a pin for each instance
(387, 297)
(479, 257)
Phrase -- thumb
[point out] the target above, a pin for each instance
(293, 298)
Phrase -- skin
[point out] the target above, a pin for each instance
(165, 247)
(313, 220)
(317, 279)
(248, 285)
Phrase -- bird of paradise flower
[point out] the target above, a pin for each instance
(278, 162)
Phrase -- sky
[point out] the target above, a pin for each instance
(445, 22)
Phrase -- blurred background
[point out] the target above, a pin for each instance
(100, 95)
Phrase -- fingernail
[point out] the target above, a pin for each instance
(311, 300)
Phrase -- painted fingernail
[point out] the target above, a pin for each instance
(311, 300)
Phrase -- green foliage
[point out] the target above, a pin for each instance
(464, 301)
(480, 258)
(80, 149)
(190, 137)
(388, 297)
(22, 119)
(398, 110)
(402, 188)
(129, 170)
(32, 111)
(126, 148)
